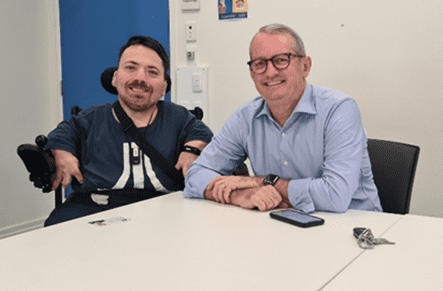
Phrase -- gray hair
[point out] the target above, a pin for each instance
(276, 28)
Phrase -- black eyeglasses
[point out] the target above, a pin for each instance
(280, 62)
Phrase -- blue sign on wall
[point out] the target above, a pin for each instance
(232, 9)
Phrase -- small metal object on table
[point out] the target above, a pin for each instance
(366, 239)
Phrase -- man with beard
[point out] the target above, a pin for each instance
(109, 168)
(306, 143)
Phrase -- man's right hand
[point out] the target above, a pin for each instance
(264, 198)
(67, 167)
(221, 187)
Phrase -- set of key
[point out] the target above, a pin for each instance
(366, 239)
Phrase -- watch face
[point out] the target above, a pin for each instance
(270, 179)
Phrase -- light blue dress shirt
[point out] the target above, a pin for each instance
(321, 150)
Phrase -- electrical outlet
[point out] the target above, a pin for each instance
(185, 104)
(190, 55)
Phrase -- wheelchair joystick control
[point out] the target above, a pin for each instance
(41, 140)
(39, 162)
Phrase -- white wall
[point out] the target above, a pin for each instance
(30, 104)
(386, 54)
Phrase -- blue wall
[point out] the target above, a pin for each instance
(92, 32)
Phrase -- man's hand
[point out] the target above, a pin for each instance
(185, 160)
(222, 186)
(264, 198)
(67, 167)
(283, 205)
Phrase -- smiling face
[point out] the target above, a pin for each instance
(275, 85)
(140, 78)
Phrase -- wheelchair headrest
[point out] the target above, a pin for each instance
(106, 80)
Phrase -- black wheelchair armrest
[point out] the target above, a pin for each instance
(39, 162)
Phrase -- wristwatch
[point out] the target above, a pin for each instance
(190, 149)
(270, 179)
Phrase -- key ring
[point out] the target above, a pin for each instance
(365, 239)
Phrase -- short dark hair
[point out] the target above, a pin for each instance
(153, 44)
(148, 42)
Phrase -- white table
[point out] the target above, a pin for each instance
(415, 262)
(174, 243)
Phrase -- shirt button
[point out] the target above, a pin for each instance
(285, 163)
(283, 135)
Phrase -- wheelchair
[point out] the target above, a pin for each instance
(40, 163)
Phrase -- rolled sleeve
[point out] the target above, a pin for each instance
(298, 193)
(197, 180)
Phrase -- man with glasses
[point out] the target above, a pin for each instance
(306, 143)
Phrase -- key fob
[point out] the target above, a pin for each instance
(358, 231)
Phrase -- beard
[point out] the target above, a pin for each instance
(137, 102)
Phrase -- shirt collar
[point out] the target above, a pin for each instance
(305, 105)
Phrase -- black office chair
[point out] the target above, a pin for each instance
(393, 166)
(39, 161)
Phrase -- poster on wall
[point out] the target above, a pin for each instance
(232, 9)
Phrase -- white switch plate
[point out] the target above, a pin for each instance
(187, 79)
(191, 31)
(190, 4)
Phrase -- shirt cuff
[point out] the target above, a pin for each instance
(298, 193)
(196, 182)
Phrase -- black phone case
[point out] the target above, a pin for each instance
(297, 223)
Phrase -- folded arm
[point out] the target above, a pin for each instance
(248, 192)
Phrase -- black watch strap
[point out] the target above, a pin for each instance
(190, 149)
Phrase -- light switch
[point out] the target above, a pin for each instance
(197, 82)
(192, 88)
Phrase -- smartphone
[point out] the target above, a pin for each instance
(297, 218)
